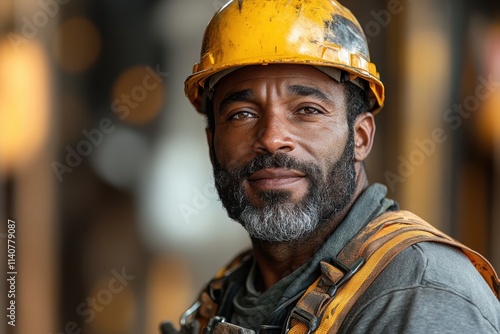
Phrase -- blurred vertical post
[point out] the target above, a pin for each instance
(493, 108)
(26, 115)
(495, 222)
(5, 17)
(423, 99)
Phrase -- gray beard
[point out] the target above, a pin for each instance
(278, 220)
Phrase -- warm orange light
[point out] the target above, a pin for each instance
(24, 102)
(77, 45)
(110, 307)
(6, 10)
(489, 117)
(169, 290)
(138, 94)
(489, 120)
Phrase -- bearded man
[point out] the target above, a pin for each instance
(290, 96)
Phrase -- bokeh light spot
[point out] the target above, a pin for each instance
(138, 95)
(24, 102)
(78, 44)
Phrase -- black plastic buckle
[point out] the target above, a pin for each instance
(348, 273)
(269, 329)
(304, 317)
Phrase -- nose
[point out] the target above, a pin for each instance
(274, 135)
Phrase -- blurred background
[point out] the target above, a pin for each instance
(105, 170)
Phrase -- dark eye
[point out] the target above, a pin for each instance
(242, 115)
(309, 111)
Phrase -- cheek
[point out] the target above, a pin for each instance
(327, 143)
(232, 151)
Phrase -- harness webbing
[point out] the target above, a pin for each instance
(325, 304)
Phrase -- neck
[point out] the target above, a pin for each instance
(278, 260)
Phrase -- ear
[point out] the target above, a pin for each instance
(364, 132)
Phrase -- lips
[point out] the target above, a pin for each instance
(275, 173)
(275, 178)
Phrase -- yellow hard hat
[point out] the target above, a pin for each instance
(321, 33)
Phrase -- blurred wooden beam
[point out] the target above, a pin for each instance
(425, 96)
(33, 181)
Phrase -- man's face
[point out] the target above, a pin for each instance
(282, 149)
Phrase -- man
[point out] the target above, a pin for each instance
(290, 97)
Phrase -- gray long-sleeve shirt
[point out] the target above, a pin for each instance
(428, 288)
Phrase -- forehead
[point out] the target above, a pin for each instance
(279, 73)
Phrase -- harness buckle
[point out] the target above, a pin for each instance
(304, 317)
(348, 273)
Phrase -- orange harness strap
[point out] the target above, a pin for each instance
(325, 304)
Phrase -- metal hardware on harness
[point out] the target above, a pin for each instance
(222, 327)
(189, 312)
(348, 273)
(212, 323)
(304, 317)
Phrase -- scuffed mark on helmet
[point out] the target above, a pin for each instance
(345, 33)
(298, 9)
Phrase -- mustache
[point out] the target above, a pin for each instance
(278, 160)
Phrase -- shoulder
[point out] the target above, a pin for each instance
(429, 287)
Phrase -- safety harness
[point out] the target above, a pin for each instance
(326, 303)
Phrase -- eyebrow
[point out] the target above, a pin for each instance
(308, 91)
(240, 96)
